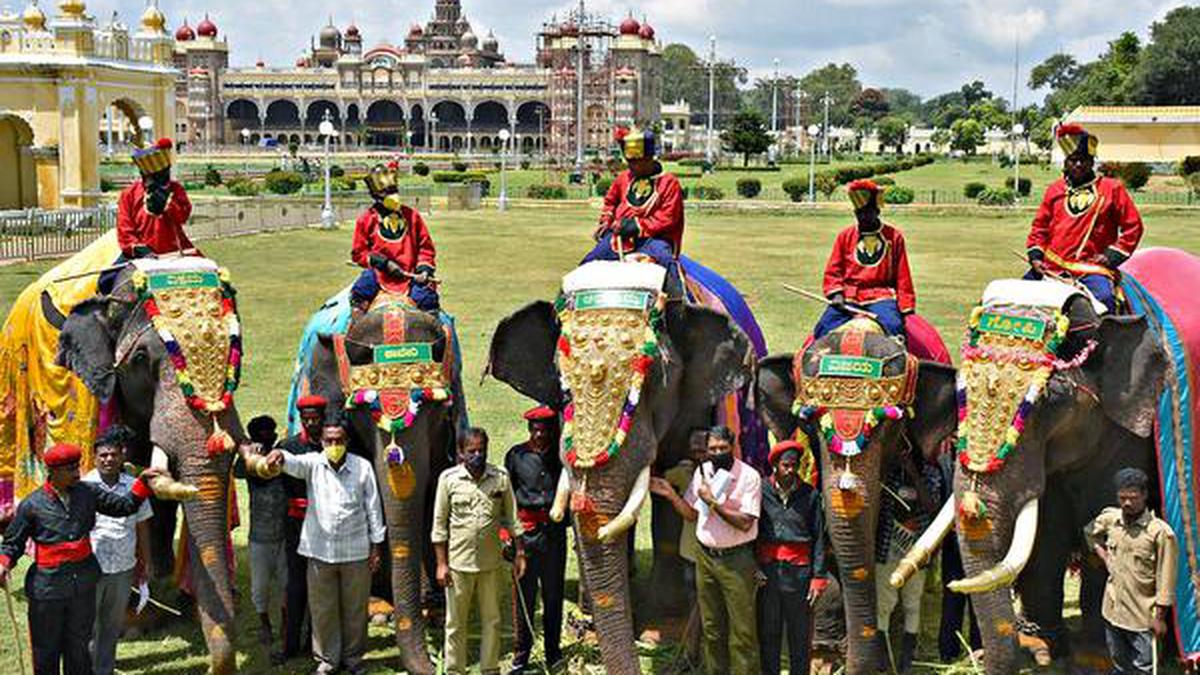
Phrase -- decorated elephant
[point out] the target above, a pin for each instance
(633, 375)
(393, 369)
(1053, 399)
(860, 394)
(165, 348)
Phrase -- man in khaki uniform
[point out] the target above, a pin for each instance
(473, 504)
(1140, 552)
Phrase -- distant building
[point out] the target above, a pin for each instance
(1162, 134)
(677, 131)
(443, 87)
(71, 87)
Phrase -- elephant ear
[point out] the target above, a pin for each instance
(86, 344)
(774, 394)
(716, 353)
(935, 409)
(1131, 370)
(522, 353)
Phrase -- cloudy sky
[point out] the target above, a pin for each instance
(928, 46)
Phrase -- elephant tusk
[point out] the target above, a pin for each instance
(1019, 550)
(628, 515)
(923, 550)
(259, 466)
(562, 493)
(165, 487)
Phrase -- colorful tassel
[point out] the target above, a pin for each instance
(971, 506)
(219, 442)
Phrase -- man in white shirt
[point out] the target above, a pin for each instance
(121, 545)
(342, 538)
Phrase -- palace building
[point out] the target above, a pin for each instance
(442, 86)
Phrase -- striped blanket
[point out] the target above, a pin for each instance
(1160, 283)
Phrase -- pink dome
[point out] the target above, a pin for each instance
(352, 31)
(630, 26)
(206, 28)
(647, 32)
(184, 33)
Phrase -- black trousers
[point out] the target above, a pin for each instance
(545, 566)
(296, 597)
(60, 631)
(955, 606)
(785, 612)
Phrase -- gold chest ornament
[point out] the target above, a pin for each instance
(1080, 199)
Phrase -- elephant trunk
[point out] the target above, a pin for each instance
(606, 568)
(1004, 573)
(852, 512)
(207, 518)
(402, 489)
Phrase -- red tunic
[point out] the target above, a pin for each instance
(660, 215)
(409, 247)
(875, 271)
(162, 233)
(1074, 239)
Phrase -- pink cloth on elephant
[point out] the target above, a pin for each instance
(924, 342)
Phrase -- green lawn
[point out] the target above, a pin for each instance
(493, 263)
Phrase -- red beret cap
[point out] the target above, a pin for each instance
(540, 414)
(62, 454)
(311, 401)
(779, 448)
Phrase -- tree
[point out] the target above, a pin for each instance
(1059, 71)
(991, 113)
(1109, 80)
(746, 135)
(760, 98)
(870, 103)
(892, 131)
(842, 85)
(685, 78)
(1169, 69)
(942, 111)
(905, 103)
(966, 135)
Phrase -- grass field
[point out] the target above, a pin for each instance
(494, 263)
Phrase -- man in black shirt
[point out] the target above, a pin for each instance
(61, 584)
(533, 469)
(791, 559)
(312, 419)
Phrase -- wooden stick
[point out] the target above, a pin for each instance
(166, 608)
(410, 275)
(822, 299)
(18, 643)
(72, 277)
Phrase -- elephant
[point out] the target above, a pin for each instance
(702, 355)
(1020, 522)
(852, 505)
(349, 371)
(110, 342)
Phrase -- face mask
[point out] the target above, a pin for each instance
(335, 452)
(392, 203)
(475, 463)
(724, 461)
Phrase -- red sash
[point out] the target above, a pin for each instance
(296, 507)
(794, 553)
(532, 519)
(49, 556)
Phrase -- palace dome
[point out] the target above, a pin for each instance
(184, 33)
(490, 43)
(630, 26)
(153, 20)
(468, 40)
(34, 18)
(647, 32)
(206, 28)
(352, 31)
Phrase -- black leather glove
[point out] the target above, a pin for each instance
(392, 268)
(424, 274)
(629, 229)
(378, 261)
(837, 300)
(156, 200)
(1114, 258)
(1037, 263)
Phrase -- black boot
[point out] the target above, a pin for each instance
(908, 649)
(883, 663)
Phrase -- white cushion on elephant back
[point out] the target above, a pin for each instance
(604, 274)
(186, 263)
(1045, 293)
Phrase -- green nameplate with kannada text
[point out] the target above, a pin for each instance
(166, 281)
(611, 299)
(836, 365)
(416, 352)
(1024, 327)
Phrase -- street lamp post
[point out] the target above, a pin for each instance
(433, 120)
(326, 129)
(712, 82)
(146, 124)
(503, 201)
(1018, 131)
(813, 130)
(411, 150)
(774, 114)
(825, 137)
(245, 134)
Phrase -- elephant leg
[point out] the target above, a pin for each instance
(162, 536)
(670, 597)
(1041, 583)
(208, 532)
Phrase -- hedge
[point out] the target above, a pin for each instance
(420, 169)
(459, 166)
(1134, 175)
(547, 191)
(884, 180)
(749, 187)
(708, 193)
(243, 187)
(997, 197)
(1023, 188)
(603, 185)
(898, 194)
(973, 189)
(459, 176)
(212, 177)
(283, 182)
(1189, 166)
